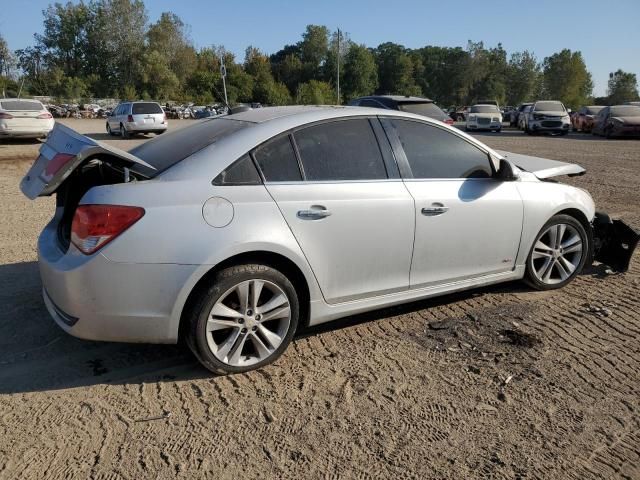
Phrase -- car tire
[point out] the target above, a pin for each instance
(123, 132)
(549, 265)
(109, 131)
(217, 348)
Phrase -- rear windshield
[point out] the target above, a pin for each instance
(173, 147)
(625, 111)
(426, 109)
(145, 108)
(593, 110)
(484, 109)
(549, 107)
(21, 105)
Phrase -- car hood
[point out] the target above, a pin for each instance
(543, 167)
(550, 113)
(628, 120)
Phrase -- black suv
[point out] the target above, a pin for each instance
(417, 105)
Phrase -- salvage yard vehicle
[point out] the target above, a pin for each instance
(547, 116)
(618, 121)
(236, 231)
(582, 120)
(130, 118)
(484, 117)
(417, 105)
(514, 119)
(24, 118)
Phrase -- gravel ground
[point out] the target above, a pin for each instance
(501, 382)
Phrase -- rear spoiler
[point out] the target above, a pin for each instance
(63, 152)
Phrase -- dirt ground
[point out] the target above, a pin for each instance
(501, 382)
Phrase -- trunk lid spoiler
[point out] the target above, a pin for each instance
(63, 152)
(543, 168)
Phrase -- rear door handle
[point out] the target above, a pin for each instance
(316, 212)
(434, 210)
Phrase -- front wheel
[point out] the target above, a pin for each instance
(244, 320)
(558, 253)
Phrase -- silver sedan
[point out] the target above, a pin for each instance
(239, 230)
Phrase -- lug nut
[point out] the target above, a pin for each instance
(249, 313)
(244, 330)
(241, 320)
(254, 329)
(258, 317)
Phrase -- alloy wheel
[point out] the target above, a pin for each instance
(248, 323)
(557, 253)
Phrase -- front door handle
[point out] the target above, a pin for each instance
(434, 210)
(316, 212)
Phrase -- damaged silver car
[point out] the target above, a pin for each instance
(239, 230)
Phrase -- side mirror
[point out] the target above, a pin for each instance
(506, 173)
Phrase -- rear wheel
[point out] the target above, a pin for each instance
(109, 131)
(244, 320)
(123, 132)
(558, 253)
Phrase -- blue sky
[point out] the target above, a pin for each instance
(607, 32)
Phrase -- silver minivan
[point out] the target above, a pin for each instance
(129, 118)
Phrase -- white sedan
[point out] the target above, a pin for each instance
(484, 117)
(24, 118)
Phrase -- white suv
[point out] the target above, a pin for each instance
(137, 117)
(548, 116)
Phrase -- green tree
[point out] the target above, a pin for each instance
(159, 81)
(314, 48)
(523, 77)
(360, 72)
(623, 87)
(567, 79)
(169, 37)
(396, 70)
(444, 74)
(6, 58)
(315, 92)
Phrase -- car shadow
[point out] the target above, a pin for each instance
(36, 355)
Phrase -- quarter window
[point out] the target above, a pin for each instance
(433, 152)
(340, 150)
(277, 161)
(240, 172)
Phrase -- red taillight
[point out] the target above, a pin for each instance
(56, 163)
(96, 225)
(45, 115)
(448, 121)
(129, 118)
(5, 116)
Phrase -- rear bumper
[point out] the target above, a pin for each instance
(614, 242)
(40, 128)
(146, 127)
(94, 298)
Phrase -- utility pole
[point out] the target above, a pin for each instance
(338, 79)
(223, 72)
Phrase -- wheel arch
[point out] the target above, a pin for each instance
(263, 257)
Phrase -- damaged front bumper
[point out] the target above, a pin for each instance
(614, 242)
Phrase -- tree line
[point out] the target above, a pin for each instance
(108, 48)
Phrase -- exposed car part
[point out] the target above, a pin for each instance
(614, 242)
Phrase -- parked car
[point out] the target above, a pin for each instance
(515, 115)
(459, 114)
(24, 118)
(618, 121)
(417, 105)
(582, 120)
(130, 118)
(484, 117)
(548, 116)
(633, 103)
(523, 116)
(236, 231)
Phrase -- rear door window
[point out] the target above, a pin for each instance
(434, 152)
(277, 160)
(340, 150)
(146, 108)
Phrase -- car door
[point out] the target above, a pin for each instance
(341, 195)
(468, 222)
(114, 120)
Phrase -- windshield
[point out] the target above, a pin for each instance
(593, 110)
(625, 111)
(426, 109)
(146, 108)
(549, 107)
(21, 105)
(171, 148)
(484, 109)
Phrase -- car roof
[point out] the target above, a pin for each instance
(401, 98)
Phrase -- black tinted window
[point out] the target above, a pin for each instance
(173, 147)
(342, 150)
(370, 103)
(146, 108)
(436, 153)
(278, 161)
(241, 172)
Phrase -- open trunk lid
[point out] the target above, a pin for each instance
(64, 151)
(543, 168)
